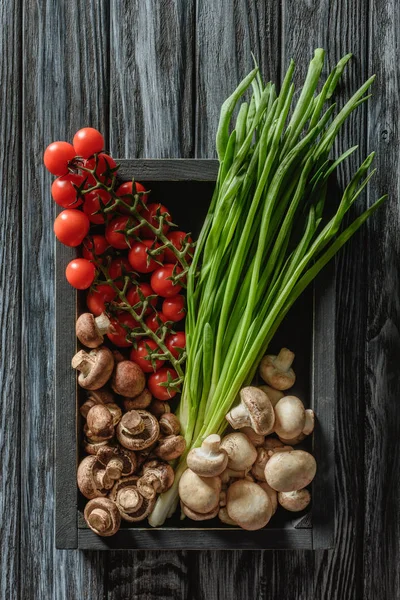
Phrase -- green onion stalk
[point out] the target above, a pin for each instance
(268, 232)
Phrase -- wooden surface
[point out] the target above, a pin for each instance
(151, 75)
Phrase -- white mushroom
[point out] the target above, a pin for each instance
(255, 438)
(276, 371)
(224, 517)
(255, 410)
(210, 459)
(290, 417)
(273, 495)
(294, 501)
(241, 452)
(199, 494)
(248, 505)
(290, 471)
(307, 429)
(273, 394)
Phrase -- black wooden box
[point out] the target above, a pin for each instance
(186, 186)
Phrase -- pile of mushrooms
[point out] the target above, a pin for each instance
(242, 477)
(129, 437)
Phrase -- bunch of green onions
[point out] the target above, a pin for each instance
(265, 238)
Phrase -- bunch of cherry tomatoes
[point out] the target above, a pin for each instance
(116, 252)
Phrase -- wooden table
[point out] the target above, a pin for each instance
(151, 75)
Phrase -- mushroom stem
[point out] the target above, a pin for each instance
(149, 485)
(238, 417)
(100, 519)
(284, 359)
(129, 499)
(211, 445)
(83, 362)
(102, 324)
(114, 468)
(133, 422)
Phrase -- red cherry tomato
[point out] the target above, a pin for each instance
(118, 268)
(158, 391)
(57, 156)
(119, 337)
(97, 298)
(174, 308)
(88, 141)
(152, 321)
(140, 260)
(133, 296)
(140, 356)
(175, 342)
(94, 245)
(162, 285)
(71, 227)
(176, 237)
(150, 214)
(63, 191)
(113, 237)
(126, 188)
(91, 206)
(80, 273)
(101, 170)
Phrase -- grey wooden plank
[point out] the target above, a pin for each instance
(65, 87)
(382, 389)
(151, 70)
(10, 297)
(179, 169)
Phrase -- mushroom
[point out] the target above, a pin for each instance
(90, 330)
(224, 517)
(277, 371)
(210, 459)
(255, 438)
(294, 501)
(99, 424)
(158, 408)
(157, 478)
(118, 356)
(290, 417)
(142, 401)
(118, 461)
(90, 478)
(273, 495)
(258, 468)
(248, 505)
(92, 447)
(290, 471)
(102, 516)
(255, 410)
(199, 516)
(307, 429)
(170, 447)
(104, 397)
(199, 494)
(128, 379)
(131, 504)
(271, 443)
(95, 367)
(229, 474)
(273, 395)
(169, 424)
(241, 452)
(137, 430)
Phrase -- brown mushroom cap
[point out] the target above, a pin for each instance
(102, 516)
(170, 447)
(95, 367)
(255, 410)
(255, 438)
(200, 494)
(273, 394)
(143, 400)
(90, 329)
(157, 478)
(169, 424)
(101, 396)
(137, 430)
(128, 379)
(158, 408)
(241, 452)
(294, 501)
(248, 505)
(99, 423)
(290, 471)
(131, 504)
(290, 417)
(88, 482)
(210, 459)
(199, 516)
(119, 461)
(276, 371)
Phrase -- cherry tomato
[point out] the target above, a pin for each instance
(91, 206)
(88, 141)
(71, 227)
(113, 237)
(57, 156)
(119, 337)
(101, 170)
(140, 260)
(153, 323)
(133, 296)
(162, 285)
(97, 298)
(175, 342)
(63, 191)
(140, 354)
(80, 273)
(96, 242)
(150, 214)
(174, 308)
(118, 268)
(158, 391)
(126, 188)
(176, 237)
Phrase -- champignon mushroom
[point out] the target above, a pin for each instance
(92, 447)
(255, 438)
(289, 417)
(308, 428)
(118, 461)
(255, 410)
(90, 330)
(277, 371)
(102, 516)
(258, 468)
(89, 480)
(141, 401)
(210, 459)
(273, 395)
(290, 471)
(294, 501)
(157, 478)
(241, 452)
(170, 447)
(131, 504)
(95, 367)
(137, 430)
(271, 443)
(200, 494)
(158, 408)
(199, 516)
(169, 424)
(248, 505)
(273, 495)
(128, 379)
(99, 423)
(104, 397)
(224, 517)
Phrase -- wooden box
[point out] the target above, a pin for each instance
(185, 187)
